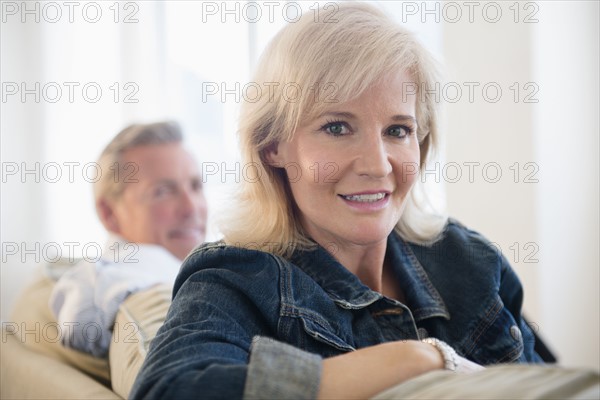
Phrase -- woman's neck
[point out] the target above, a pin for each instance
(366, 262)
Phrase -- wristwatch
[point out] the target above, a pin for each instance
(448, 353)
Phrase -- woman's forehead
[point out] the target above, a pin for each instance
(395, 88)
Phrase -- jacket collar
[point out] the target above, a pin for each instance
(347, 291)
(422, 297)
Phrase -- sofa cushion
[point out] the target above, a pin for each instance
(28, 374)
(137, 322)
(33, 323)
(502, 381)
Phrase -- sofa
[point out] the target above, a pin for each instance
(34, 364)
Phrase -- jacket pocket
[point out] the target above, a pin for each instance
(320, 330)
(497, 338)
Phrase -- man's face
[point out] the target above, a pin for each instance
(162, 202)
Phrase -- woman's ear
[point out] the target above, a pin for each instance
(272, 155)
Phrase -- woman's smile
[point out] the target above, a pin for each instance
(367, 200)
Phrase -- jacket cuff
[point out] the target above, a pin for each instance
(278, 370)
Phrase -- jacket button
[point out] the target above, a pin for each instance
(515, 332)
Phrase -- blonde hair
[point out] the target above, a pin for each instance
(323, 62)
(111, 183)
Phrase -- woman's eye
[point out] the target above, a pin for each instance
(399, 131)
(335, 128)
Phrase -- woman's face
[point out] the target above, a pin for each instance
(351, 168)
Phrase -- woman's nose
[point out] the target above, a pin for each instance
(372, 159)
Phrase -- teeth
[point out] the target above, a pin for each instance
(365, 198)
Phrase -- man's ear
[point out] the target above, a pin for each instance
(273, 155)
(106, 213)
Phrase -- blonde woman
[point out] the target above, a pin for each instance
(332, 279)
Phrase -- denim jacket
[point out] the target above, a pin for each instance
(246, 323)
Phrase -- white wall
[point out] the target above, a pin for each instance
(488, 133)
(20, 142)
(566, 132)
(549, 212)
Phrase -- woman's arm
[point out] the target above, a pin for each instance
(215, 344)
(511, 293)
(366, 372)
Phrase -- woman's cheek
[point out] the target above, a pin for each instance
(409, 171)
(324, 172)
(316, 170)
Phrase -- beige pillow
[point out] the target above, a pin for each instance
(136, 324)
(33, 323)
(503, 381)
(28, 374)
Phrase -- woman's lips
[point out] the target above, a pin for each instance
(367, 201)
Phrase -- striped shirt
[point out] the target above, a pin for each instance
(86, 298)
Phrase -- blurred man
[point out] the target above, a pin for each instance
(151, 189)
(150, 200)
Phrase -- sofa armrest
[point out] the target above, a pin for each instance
(502, 381)
(31, 313)
(136, 324)
(28, 374)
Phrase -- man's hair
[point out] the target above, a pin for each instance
(325, 63)
(114, 172)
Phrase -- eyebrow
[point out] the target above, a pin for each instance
(349, 115)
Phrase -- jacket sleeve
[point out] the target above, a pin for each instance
(214, 343)
(497, 332)
(511, 293)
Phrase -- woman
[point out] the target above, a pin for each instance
(332, 274)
